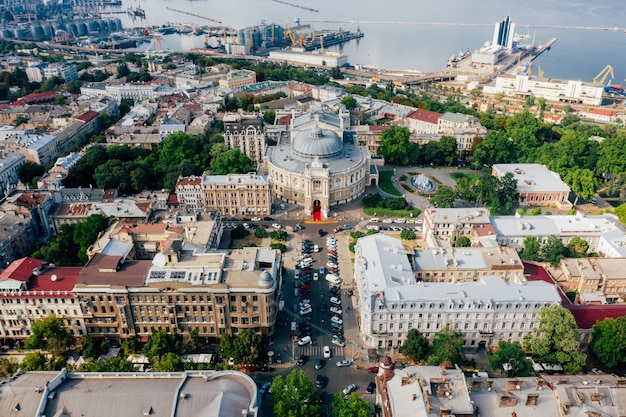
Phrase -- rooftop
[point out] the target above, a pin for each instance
(532, 177)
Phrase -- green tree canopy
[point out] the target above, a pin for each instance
(353, 406)
(463, 242)
(552, 250)
(530, 252)
(349, 102)
(577, 247)
(34, 361)
(247, 347)
(511, 355)
(446, 346)
(295, 395)
(395, 146)
(582, 182)
(160, 343)
(415, 346)
(49, 333)
(231, 162)
(443, 197)
(555, 340)
(609, 341)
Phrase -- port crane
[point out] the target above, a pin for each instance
(296, 5)
(601, 77)
(194, 15)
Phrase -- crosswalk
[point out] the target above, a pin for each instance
(318, 351)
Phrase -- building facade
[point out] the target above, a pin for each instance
(536, 184)
(246, 133)
(392, 301)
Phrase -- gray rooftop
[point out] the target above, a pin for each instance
(533, 177)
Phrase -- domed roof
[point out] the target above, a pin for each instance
(265, 279)
(317, 143)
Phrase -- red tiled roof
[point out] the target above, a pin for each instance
(172, 199)
(87, 116)
(21, 269)
(602, 112)
(35, 98)
(425, 116)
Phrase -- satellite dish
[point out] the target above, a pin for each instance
(53, 277)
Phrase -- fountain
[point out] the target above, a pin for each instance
(423, 183)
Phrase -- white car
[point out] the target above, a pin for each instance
(335, 310)
(276, 226)
(256, 219)
(338, 341)
(343, 363)
(326, 352)
(305, 340)
(387, 221)
(347, 390)
(417, 228)
(336, 319)
(305, 311)
(322, 270)
(316, 276)
(374, 219)
(419, 221)
(400, 220)
(335, 300)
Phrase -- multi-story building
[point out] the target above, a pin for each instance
(237, 78)
(211, 293)
(536, 184)
(10, 165)
(16, 236)
(447, 122)
(29, 291)
(190, 193)
(237, 194)
(63, 70)
(327, 92)
(593, 280)
(392, 301)
(40, 149)
(467, 264)
(448, 224)
(135, 92)
(423, 121)
(245, 132)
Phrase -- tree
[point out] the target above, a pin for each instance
(496, 148)
(577, 247)
(295, 395)
(239, 232)
(231, 162)
(92, 348)
(247, 347)
(122, 70)
(31, 171)
(415, 346)
(552, 250)
(395, 146)
(169, 362)
(49, 333)
(269, 116)
(131, 345)
(353, 406)
(34, 361)
(463, 242)
(349, 102)
(192, 342)
(161, 343)
(513, 357)
(582, 182)
(443, 197)
(530, 252)
(260, 232)
(226, 345)
(446, 347)
(609, 341)
(8, 367)
(279, 235)
(448, 147)
(405, 234)
(555, 340)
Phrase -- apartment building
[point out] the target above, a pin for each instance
(593, 280)
(423, 121)
(237, 78)
(536, 184)
(447, 224)
(30, 291)
(466, 264)
(484, 311)
(232, 194)
(447, 122)
(211, 293)
(245, 132)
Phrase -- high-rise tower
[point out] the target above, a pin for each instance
(503, 33)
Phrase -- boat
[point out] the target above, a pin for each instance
(140, 12)
(130, 11)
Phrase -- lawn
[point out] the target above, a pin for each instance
(391, 214)
(458, 175)
(385, 183)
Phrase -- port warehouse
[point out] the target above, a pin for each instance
(327, 59)
(47, 30)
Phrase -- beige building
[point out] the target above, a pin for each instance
(321, 165)
(245, 132)
(237, 78)
(467, 264)
(211, 293)
(594, 280)
(445, 225)
(29, 291)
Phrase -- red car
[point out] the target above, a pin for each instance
(372, 369)
(305, 287)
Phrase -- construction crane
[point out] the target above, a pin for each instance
(289, 35)
(301, 38)
(601, 77)
(296, 5)
(194, 15)
(539, 71)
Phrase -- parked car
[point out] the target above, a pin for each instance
(339, 341)
(256, 219)
(335, 310)
(371, 387)
(319, 381)
(301, 360)
(326, 352)
(372, 369)
(336, 319)
(343, 363)
(276, 226)
(322, 270)
(315, 276)
(335, 300)
(350, 388)
(306, 311)
(266, 386)
(318, 363)
(387, 221)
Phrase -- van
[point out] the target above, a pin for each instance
(333, 279)
(305, 341)
(294, 326)
(316, 248)
(282, 206)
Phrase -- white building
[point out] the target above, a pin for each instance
(326, 92)
(448, 224)
(135, 92)
(10, 165)
(536, 184)
(245, 132)
(567, 91)
(63, 70)
(327, 59)
(392, 301)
